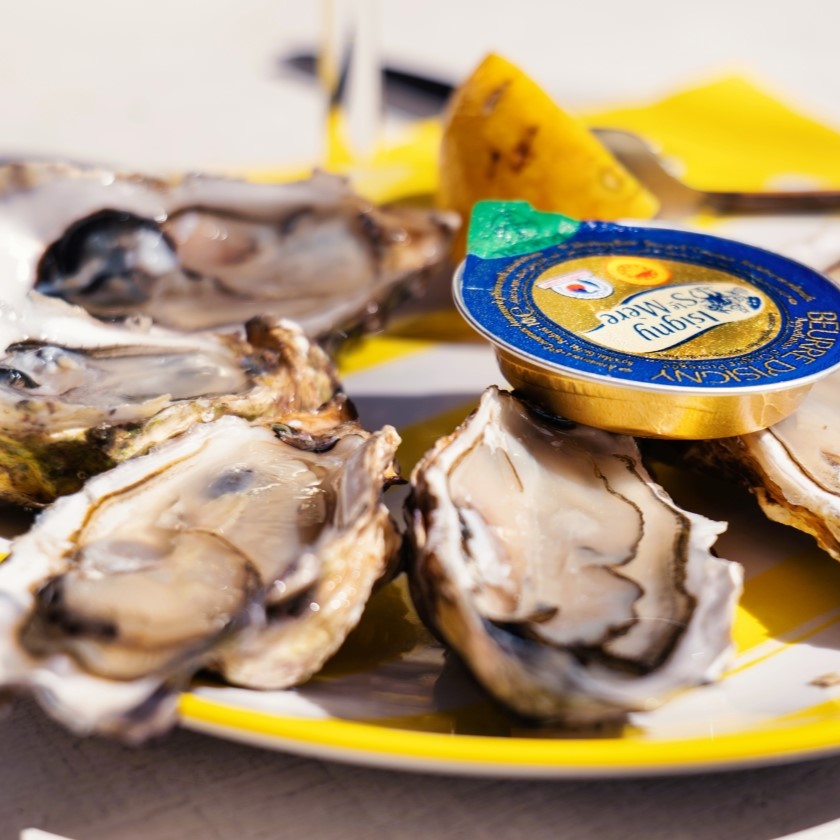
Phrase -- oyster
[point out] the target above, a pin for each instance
(564, 577)
(78, 395)
(120, 592)
(203, 252)
(792, 467)
(313, 608)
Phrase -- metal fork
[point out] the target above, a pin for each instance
(678, 200)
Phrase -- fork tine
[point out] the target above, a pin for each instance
(678, 200)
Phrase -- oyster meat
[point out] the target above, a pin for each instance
(311, 610)
(792, 467)
(202, 252)
(229, 542)
(78, 395)
(568, 581)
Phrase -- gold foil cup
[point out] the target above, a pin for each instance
(648, 411)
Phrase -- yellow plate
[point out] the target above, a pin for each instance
(393, 699)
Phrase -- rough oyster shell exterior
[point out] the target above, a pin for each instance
(792, 467)
(53, 435)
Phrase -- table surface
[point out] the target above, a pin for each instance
(189, 85)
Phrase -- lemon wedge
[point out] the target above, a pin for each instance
(504, 137)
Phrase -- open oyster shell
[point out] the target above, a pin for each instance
(312, 609)
(120, 592)
(792, 467)
(563, 576)
(78, 395)
(202, 252)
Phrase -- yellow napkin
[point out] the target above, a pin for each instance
(726, 134)
(731, 134)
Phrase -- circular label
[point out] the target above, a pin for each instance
(581, 284)
(657, 308)
(638, 270)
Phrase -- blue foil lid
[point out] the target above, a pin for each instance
(647, 306)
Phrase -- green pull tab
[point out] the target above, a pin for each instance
(510, 228)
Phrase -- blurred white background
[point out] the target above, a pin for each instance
(174, 84)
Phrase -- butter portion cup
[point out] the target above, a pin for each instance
(644, 330)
